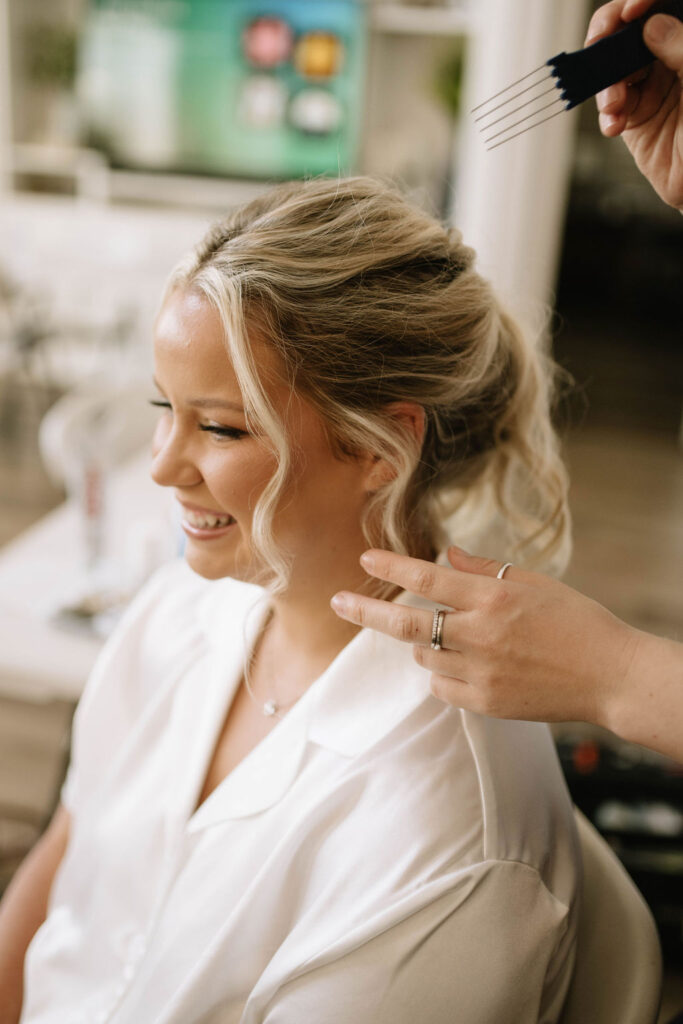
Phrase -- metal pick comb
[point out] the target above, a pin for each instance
(573, 78)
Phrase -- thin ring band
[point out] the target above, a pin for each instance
(437, 629)
(503, 569)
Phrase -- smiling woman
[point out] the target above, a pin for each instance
(219, 465)
(267, 816)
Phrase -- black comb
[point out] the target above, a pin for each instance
(577, 76)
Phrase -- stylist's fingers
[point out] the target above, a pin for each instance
(613, 16)
(636, 8)
(462, 561)
(434, 582)
(456, 692)
(613, 99)
(460, 693)
(663, 35)
(606, 20)
(410, 625)
(447, 661)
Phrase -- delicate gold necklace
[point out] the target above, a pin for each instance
(270, 707)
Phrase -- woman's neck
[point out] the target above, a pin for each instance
(303, 623)
(303, 634)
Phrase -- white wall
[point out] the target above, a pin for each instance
(5, 92)
(510, 202)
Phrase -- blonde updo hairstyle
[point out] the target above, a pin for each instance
(369, 301)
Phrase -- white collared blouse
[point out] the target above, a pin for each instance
(379, 858)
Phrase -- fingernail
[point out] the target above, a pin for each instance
(660, 27)
(606, 98)
(607, 122)
(461, 551)
(367, 561)
(338, 603)
(594, 30)
(603, 98)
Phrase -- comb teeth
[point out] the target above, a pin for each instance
(577, 76)
(502, 118)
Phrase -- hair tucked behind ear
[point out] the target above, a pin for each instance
(369, 302)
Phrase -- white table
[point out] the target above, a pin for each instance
(41, 660)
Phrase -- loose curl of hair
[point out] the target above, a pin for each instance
(369, 301)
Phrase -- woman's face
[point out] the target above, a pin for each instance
(218, 469)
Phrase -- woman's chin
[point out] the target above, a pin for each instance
(213, 567)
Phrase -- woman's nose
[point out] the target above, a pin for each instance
(172, 465)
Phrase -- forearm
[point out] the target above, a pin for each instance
(23, 910)
(646, 706)
(21, 914)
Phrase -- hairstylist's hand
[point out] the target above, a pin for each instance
(529, 647)
(649, 112)
(525, 646)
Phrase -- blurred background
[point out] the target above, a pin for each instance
(126, 126)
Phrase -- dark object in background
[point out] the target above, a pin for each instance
(635, 799)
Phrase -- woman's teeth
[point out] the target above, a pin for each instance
(206, 521)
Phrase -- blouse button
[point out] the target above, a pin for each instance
(128, 971)
(136, 949)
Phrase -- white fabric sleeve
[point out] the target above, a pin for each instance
(500, 956)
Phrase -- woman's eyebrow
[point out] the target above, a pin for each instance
(207, 403)
(214, 403)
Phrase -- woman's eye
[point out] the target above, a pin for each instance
(212, 428)
(233, 432)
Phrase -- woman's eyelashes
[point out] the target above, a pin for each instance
(214, 428)
(235, 433)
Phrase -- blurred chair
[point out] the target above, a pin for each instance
(117, 421)
(618, 973)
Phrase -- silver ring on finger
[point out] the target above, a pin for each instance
(503, 569)
(437, 629)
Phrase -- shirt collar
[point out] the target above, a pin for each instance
(369, 688)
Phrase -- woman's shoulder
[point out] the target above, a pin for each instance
(525, 805)
(482, 792)
(478, 788)
(506, 773)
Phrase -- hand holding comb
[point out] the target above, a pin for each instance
(566, 80)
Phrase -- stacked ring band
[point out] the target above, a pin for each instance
(437, 629)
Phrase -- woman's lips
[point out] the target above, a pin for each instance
(206, 533)
(205, 525)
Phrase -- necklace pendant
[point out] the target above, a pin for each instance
(270, 708)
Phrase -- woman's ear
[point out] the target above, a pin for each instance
(411, 421)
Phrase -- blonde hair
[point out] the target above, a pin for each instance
(369, 301)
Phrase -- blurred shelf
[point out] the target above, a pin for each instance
(85, 173)
(86, 167)
(94, 179)
(183, 190)
(421, 20)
